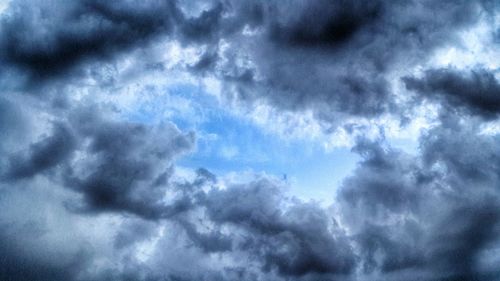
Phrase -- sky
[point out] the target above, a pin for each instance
(259, 140)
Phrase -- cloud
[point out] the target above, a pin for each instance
(42, 155)
(75, 32)
(116, 166)
(13, 124)
(334, 57)
(476, 91)
(295, 241)
(89, 191)
(18, 263)
(433, 213)
(127, 166)
(429, 216)
(133, 232)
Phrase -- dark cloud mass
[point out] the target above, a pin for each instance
(127, 161)
(477, 91)
(327, 56)
(49, 37)
(438, 212)
(296, 241)
(334, 56)
(42, 155)
(90, 191)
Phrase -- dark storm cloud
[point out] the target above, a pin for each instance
(380, 182)
(295, 241)
(42, 155)
(57, 39)
(114, 166)
(431, 216)
(334, 56)
(24, 259)
(326, 23)
(437, 213)
(434, 215)
(329, 56)
(48, 37)
(126, 162)
(477, 91)
(382, 188)
(125, 166)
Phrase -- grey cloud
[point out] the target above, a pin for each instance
(34, 236)
(477, 91)
(209, 242)
(295, 241)
(125, 166)
(42, 155)
(331, 57)
(384, 188)
(390, 253)
(381, 183)
(207, 62)
(125, 163)
(203, 28)
(478, 156)
(325, 23)
(430, 216)
(460, 237)
(46, 38)
(267, 234)
(433, 213)
(334, 56)
(13, 125)
(58, 40)
(17, 265)
(132, 232)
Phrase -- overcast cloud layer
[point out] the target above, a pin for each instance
(92, 139)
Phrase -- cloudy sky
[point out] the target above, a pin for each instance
(257, 140)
